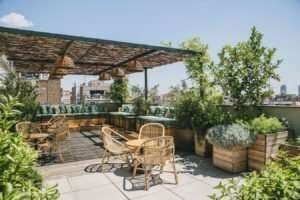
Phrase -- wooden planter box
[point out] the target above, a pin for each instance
(266, 145)
(202, 147)
(292, 150)
(233, 160)
(184, 139)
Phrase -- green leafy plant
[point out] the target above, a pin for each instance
(244, 72)
(23, 90)
(295, 142)
(266, 125)
(18, 178)
(119, 90)
(229, 136)
(141, 106)
(278, 180)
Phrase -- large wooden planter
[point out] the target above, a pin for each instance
(202, 147)
(292, 150)
(233, 160)
(266, 145)
(184, 139)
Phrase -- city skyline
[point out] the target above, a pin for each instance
(277, 20)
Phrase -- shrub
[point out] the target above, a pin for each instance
(198, 113)
(229, 136)
(278, 180)
(18, 178)
(265, 125)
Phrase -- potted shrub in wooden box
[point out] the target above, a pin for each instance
(270, 133)
(230, 144)
(196, 114)
(292, 147)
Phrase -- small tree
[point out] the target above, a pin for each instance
(119, 90)
(23, 90)
(198, 66)
(245, 70)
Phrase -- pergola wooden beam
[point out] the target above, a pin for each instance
(120, 64)
(33, 51)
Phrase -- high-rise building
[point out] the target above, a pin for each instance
(73, 94)
(283, 90)
(66, 97)
(298, 90)
(94, 92)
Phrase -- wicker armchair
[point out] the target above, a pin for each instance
(155, 153)
(112, 146)
(57, 142)
(26, 128)
(151, 130)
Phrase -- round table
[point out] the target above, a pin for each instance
(36, 136)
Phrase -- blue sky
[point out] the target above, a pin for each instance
(216, 22)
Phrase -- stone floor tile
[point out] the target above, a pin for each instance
(194, 191)
(63, 184)
(132, 188)
(67, 196)
(163, 195)
(108, 192)
(88, 181)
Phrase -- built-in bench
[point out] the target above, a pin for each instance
(78, 116)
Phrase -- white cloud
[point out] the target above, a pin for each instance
(15, 20)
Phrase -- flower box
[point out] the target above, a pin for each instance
(265, 147)
(232, 160)
(202, 147)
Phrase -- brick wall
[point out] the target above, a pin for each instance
(49, 92)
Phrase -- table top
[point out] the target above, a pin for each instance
(135, 143)
(38, 135)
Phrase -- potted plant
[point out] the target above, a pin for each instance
(292, 147)
(230, 144)
(270, 133)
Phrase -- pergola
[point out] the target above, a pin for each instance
(40, 52)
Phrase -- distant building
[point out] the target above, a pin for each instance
(94, 92)
(298, 90)
(74, 94)
(283, 90)
(66, 97)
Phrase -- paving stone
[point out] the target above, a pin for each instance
(194, 191)
(106, 192)
(67, 196)
(164, 195)
(88, 181)
(63, 184)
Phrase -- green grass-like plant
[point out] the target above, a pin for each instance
(229, 136)
(266, 125)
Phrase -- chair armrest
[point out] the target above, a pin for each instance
(118, 134)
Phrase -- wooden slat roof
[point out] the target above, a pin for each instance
(37, 52)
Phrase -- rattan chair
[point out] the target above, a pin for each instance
(57, 142)
(151, 130)
(26, 128)
(155, 153)
(113, 146)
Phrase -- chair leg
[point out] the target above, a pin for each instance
(146, 179)
(174, 170)
(61, 158)
(161, 169)
(135, 165)
(103, 159)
